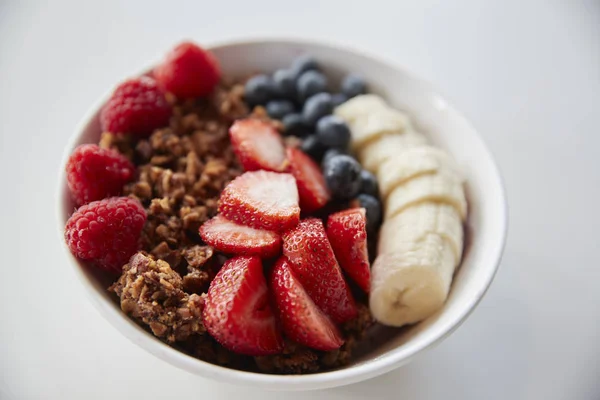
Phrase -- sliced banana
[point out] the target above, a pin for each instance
(359, 106)
(416, 222)
(375, 153)
(440, 188)
(412, 283)
(367, 128)
(412, 163)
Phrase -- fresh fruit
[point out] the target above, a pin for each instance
(374, 154)
(188, 71)
(137, 106)
(262, 200)
(307, 248)
(237, 312)
(353, 85)
(259, 89)
(377, 124)
(232, 238)
(338, 99)
(304, 63)
(315, 107)
(277, 109)
(94, 173)
(333, 132)
(329, 154)
(373, 210)
(310, 83)
(106, 231)
(293, 124)
(309, 179)
(368, 183)
(313, 147)
(257, 144)
(284, 82)
(342, 174)
(300, 318)
(347, 234)
(359, 107)
(412, 283)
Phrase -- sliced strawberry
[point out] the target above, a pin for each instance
(262, 200)
(232, 238)
(347, 234)
(312, 188)
(237, 312)
(313, 261)
(300, 318)
(258, 145)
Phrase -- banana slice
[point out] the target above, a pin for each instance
(440, 188)
(359, 106)
(367, 128)
(374, 154)
(414, 162)
(412, 283)
(416, 222)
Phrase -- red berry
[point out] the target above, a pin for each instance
(347, 234)
(137, 106)
(300, 318)
(230, 237)
(94, 173)
(258, 145)
(309, 179)
(262, 200)
(188, 71)
(237, 312)
(314, 263)
(106, 231)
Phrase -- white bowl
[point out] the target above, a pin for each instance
(446, 127)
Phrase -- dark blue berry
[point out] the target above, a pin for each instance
(259, 89)
(373, 209)
(284, 81)
(311, 82)
(278, 109)
(368, 183)
(304, 63)
(342, 175)
(333, 132)
(294, 125)
(316, 107)
(338, 99)
(312, 147)
(329, 154)
(353, 85)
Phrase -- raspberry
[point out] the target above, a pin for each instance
(188, 71)
(137, 106)
(106, 232)
(94, 173)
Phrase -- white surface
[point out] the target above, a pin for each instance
(527, 73)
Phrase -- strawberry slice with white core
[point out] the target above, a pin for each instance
(312, 188)
(237, 312)
(261, 200)
(258, 145)
(314, 263)
(301, 319)
(232, 238)
(347, 234)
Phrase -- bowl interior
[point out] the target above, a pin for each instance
(385, 348)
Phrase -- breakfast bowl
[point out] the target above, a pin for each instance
(385, 348)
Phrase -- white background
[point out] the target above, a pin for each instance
(527, 73)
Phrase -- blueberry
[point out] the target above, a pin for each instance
(284, 81)
(353, 85)
(278, 109)
(294, 125)
(368, 183)
(342, 175)
(309, 83)
(338, 99)
(333, 132)
(312, 147)
(304, 63)
(329, 154)
(259, 89)
(373, 208)
(316, 107)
